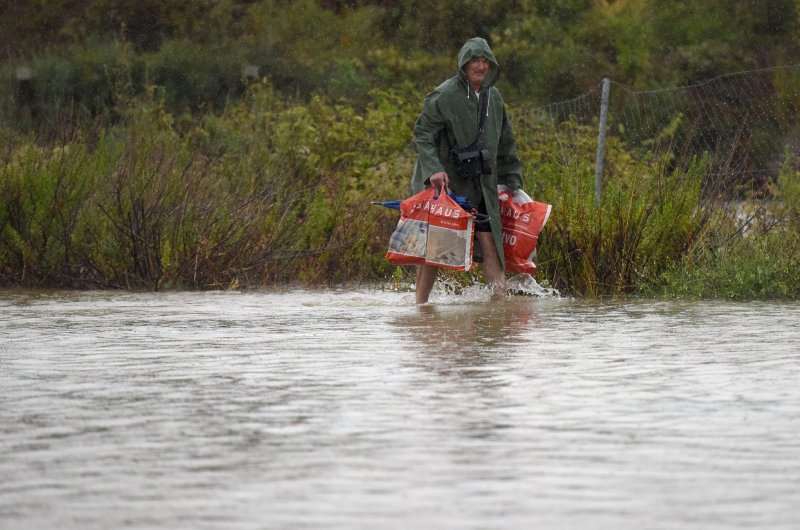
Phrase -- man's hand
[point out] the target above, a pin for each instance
(440, 179)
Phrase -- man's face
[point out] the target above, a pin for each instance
(476, 71)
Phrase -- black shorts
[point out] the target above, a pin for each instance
(482, 222)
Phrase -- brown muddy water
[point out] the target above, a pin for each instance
(357, 409)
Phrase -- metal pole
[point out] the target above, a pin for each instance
(601, 142)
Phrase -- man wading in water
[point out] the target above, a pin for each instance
(452, 154)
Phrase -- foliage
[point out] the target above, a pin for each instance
(751, 250)
(265, 192)
(221, 144)
(647, 219)
(549, 50)
(754, 267)
(268, 191)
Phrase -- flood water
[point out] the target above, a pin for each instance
(357, 409)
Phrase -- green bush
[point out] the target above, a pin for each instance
(150, 162)
(196, 78)
(87, 82)
(745, 268)
(748, 250)
(264, 192)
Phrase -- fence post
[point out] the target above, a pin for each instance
(601, 142)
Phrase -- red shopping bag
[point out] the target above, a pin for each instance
(433, 230)
(522, 219)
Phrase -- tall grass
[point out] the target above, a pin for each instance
(661, 232)
(271, 191)
(751, 250)
(648, 217)
(264, 193)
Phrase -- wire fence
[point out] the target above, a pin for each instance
(744, 125)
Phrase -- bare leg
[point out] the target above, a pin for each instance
(492, 269)
(426, 275)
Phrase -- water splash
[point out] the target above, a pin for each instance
(450, 289)
(526, 285)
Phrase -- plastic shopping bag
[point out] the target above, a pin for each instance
(433, 230)
(522, 219)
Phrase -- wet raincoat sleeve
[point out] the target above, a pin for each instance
(509, 167)
(427, 130)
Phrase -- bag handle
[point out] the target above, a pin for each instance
(438, 191)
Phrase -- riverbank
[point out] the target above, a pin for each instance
(272, 193)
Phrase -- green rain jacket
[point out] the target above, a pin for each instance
(450, 119)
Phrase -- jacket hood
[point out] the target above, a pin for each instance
(478, 47)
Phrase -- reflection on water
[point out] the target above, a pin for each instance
(468, 328)
(358, 409)
(468, 340)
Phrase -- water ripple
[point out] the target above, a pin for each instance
(356, 409)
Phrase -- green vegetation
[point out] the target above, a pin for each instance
(752, 252)
(265, 192)
(142, 154)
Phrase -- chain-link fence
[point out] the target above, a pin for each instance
(743, 125)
